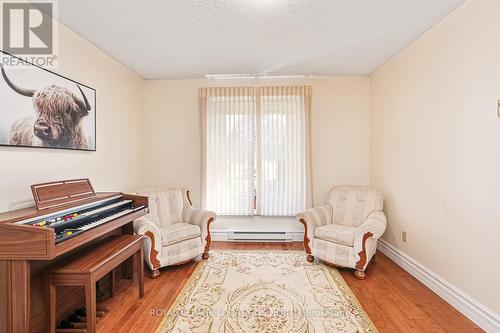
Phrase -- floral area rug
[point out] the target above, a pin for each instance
(265, 292)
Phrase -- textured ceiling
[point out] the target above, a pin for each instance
(167, 39)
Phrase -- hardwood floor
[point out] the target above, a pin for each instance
(394, 300)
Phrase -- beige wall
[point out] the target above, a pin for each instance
(422, 129)
(118, 162)
(339, 131)
(435, 149)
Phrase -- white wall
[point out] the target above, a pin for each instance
(118, 163)
(340, 148)
(435, 149)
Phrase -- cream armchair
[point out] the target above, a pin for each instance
(344, 232)
(175, 231)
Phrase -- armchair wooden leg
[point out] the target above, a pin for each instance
(360, 275)
(310, 258)
(208, 239)
(154, 273)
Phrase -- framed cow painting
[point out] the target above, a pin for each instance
(40, 108)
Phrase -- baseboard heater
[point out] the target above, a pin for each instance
(259, 236)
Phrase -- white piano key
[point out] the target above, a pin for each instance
(104, 220)
(105, 208)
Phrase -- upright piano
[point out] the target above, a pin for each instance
(68, 218)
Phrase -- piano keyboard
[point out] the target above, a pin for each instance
(69, 223)
(105, 208)
(105, 219)
(98, 217)
(82, 208)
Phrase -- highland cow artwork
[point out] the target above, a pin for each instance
(39, 108)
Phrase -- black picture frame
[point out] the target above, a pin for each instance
(91, 148)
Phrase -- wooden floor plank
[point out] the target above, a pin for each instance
(392, 298)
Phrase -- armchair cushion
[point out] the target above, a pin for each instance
(178, 232)
(352, 204)
(337, 233)
(165, 205)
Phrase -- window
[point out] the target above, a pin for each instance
(255, 150)
(229, 150)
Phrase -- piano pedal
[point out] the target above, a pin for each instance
(72, 326)
(79, 325)
(97, 319)
(99, 316)
(81, 312)
(77, 322)
(103, 308)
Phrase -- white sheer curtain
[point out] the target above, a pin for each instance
(228, 141)
(255, 149)
(283, 161)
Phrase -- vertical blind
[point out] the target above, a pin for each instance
(228, 118)
(282, 150)
(256, 150)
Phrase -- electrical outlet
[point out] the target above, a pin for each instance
(403, 236)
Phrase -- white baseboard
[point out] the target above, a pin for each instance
(471, 308)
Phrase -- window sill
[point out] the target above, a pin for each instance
(254, 217)
(256, 223)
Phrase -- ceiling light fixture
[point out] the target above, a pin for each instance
(229, 76)
(251, 76)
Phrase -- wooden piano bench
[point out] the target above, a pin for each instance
(87, 269)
